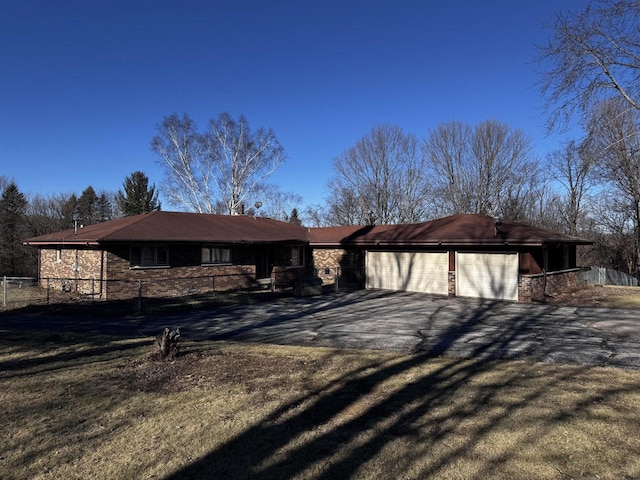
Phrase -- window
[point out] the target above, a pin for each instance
(290, 256)
(296, 258)
(216, 255)
(58, 255)
(149, 256)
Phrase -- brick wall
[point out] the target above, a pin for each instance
(327, 262)
(452, 284)
(534, 287)
(346, 264)
(126, 282)
(80, 270)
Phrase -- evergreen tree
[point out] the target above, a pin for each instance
(136, 196)
(69, 211)
(103, 210)
(87, 206)
(13, 230)
(294, 218)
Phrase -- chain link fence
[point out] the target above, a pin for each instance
(146, 294)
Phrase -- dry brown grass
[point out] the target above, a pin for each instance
(100, 408)
(608, 296)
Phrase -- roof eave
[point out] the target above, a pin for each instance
(42, 243)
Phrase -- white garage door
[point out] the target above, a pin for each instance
(487, 275)
(425, 272)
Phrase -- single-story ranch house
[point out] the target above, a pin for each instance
(176, 253)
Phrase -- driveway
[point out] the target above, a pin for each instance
(407, 322)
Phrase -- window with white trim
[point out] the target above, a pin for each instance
(149, 256)
(215, 255)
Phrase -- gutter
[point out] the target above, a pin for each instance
(88, 243)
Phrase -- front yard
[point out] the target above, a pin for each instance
(79, 407)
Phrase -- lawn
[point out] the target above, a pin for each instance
(79, 407)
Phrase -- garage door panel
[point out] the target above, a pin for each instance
(487, 275)
(408, 271)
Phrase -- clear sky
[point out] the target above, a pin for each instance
(83, 84)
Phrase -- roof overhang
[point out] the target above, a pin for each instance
(55, 243)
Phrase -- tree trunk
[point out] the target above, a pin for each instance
(167, 343)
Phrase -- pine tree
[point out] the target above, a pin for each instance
(87, 206)
(103, 210)
(13, 255)
(136, 196)
(294, 218)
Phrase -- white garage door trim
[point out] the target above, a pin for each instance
(487, 275)
(411, 271)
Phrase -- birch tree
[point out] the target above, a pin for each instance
(226, 164)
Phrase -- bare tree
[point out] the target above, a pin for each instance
(226, 164)
(572, 168)
(315, 216)
(487, 169)
(613, 139)
(591, 55)
(381, 179)
(273, 203)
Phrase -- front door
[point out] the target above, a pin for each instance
(263, 263)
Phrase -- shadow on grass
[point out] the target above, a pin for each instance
(55, 349)
(314, 437)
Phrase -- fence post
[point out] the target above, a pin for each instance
(4, 291)
(139, 296)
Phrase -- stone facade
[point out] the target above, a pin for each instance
(73, 269)
(452, 283)
(339, 265)
(108, 275)
(536, 287)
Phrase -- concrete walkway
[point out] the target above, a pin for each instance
(396, 321)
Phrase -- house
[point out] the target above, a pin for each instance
(174, 253)
(466, 255)
(171, 254)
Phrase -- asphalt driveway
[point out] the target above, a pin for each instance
(407, 322)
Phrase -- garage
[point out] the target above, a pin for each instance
(487, 275)
(425, 272)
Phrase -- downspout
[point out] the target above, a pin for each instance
(101, 272)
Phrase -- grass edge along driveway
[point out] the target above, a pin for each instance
(82, 407)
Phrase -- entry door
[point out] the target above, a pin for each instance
(487, 275)
(263, 263)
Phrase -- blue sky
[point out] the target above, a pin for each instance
(84, 84)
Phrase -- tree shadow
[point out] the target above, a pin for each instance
(315, 436)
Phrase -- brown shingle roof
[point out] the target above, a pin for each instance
(470, 229)
(181, 227)
(161, 226)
